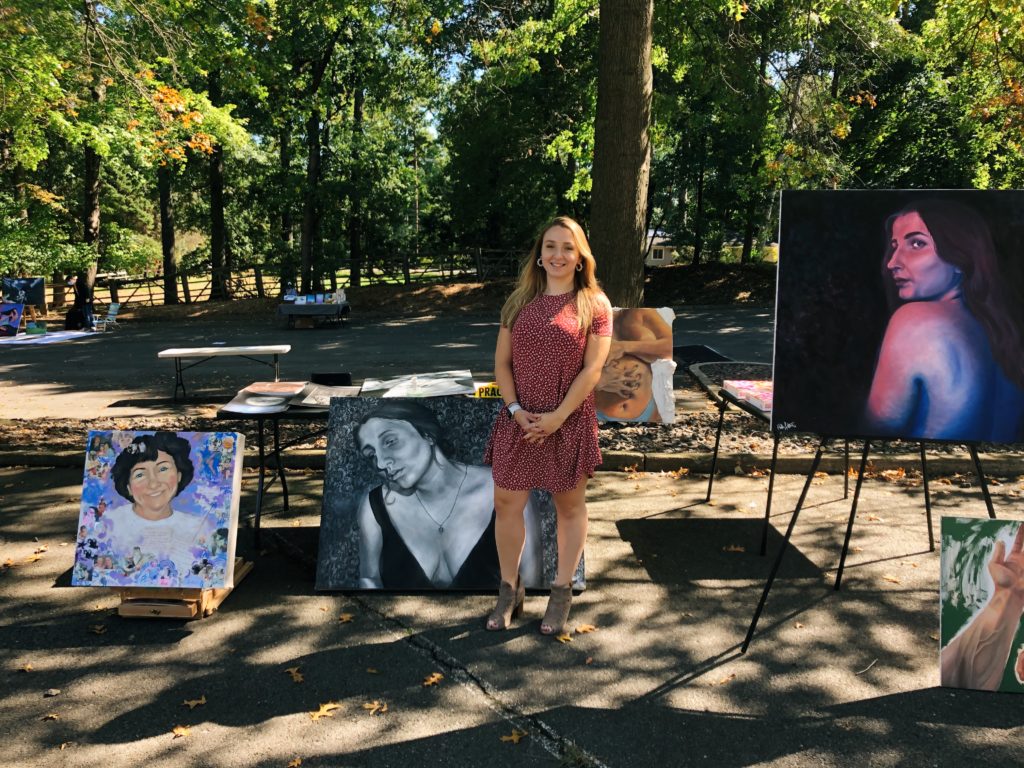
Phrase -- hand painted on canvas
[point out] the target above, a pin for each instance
(636, 380)
(982, 601)
(159, 509)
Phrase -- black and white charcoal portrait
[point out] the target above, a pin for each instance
(408, 505)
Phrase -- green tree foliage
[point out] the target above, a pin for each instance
(304, 138)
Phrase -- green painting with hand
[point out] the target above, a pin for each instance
(981, 590)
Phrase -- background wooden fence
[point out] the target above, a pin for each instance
(148, 290)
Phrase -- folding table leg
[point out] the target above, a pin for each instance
(280, 464)
(261, 445)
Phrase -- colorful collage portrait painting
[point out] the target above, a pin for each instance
(981, 588)
(159, 509)
(636, 381)
(899, 315)
(409, 504)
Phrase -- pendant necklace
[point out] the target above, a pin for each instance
(440, 525)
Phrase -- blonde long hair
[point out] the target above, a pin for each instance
(533, 279)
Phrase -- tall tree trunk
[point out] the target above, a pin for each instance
(218, 234)
(355, 219)
(92, 165)
(287, 259)
(622, 148)
(309, 199)
(164, 176)
(698, 216)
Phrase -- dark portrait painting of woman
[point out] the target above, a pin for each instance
(408, 503)
(899, 315)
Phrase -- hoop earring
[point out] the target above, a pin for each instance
(539, 262)
(579, 266)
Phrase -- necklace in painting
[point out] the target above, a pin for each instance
(451, 511)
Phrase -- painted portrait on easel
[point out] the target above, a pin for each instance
(982, 600)
(899, 315)
(159, 509)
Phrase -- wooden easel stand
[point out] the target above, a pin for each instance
(140, 603)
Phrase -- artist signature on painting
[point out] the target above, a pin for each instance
(786, 426)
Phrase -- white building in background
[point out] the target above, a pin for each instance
(660, 251)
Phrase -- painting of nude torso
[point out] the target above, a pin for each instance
(898, 315)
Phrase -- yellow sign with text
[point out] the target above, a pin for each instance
(488, 390)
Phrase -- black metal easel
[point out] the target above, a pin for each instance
(853, 513)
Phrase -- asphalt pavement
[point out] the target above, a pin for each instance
(652, 676)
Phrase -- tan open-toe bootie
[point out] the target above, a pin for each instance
(557, 613)
(510, 605)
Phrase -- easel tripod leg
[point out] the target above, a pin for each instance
(853, 513)
(927, 499)
(768, 504)
(981, 478)
(782, 549)
(714, 456)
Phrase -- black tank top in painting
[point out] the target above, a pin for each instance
(399, 568)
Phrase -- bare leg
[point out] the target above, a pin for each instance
(571, 510)
(509, 530)
(509, 537)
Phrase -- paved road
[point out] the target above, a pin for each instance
(118, 374)
(832, 679)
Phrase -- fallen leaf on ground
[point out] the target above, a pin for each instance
(375, 707)
(856, 549)
(891, 579)
(345, 618)
(40, 549)
(734, 548)
(51, 692)
(322, 608)
(725, 679)
(98, 629)
(434, 678)
(821, 474)
(934, 635)
(874, 519)
(297, 676)
(33, 558)
(712, 503)
(180, 731)
(515, 737)
(372, 671)
(8, 563)
(26, 667)
(51, 716)
(65, 744)
(590, 660)
(678, 473)
(294, 763)
(584, 629)
(326, 710)
(799, 625)
(565, 637)
(193, 703)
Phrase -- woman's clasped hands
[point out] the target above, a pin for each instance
(537, 426)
